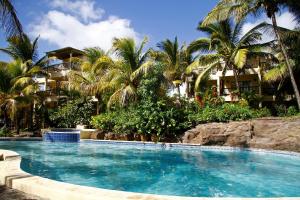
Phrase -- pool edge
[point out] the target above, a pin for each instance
(14, 177)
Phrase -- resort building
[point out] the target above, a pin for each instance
(250, 80)
(56, 84)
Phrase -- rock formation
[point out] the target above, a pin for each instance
(266, 133)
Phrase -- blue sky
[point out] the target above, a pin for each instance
(86, 23)
(157, 19)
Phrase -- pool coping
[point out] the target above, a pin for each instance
(14, 177)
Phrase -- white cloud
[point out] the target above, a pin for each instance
(285, 20)
(67, 29)
(84, 9)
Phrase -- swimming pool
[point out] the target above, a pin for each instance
(176, 171)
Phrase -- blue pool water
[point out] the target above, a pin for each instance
(182, 172)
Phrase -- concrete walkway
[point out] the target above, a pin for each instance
(11, 194)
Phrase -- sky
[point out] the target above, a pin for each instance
(89, 23)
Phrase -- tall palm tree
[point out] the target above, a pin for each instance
(123, 79)
(90, 79)
(227, 46)
(241, 8)
(175, 59)
(17, 92)
(27, 65)
(21, 47)
(8, 19)
(279, 73)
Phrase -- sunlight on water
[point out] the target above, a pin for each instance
(182, 172)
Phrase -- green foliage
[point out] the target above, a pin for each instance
(211, 98)
(74, 112)
(281, 110)
(292, 111)
(262, 112)
(4, 132)
(120, 121)
(252, 98)
(243, 102)
(284, 111)
(160, 118)
(228, 112)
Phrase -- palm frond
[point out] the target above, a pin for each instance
(240, 58)
(203, 74)
(145, 68)
(9, 20)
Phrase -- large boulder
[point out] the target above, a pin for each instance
(268, 133)
(97, 135)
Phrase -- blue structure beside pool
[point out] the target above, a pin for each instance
(62, 135)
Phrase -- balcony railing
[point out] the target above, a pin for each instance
(63, 66)
(254, 89)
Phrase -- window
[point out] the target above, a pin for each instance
(245, 86)
(42, 86)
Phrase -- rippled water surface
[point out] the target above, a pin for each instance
(182, 172)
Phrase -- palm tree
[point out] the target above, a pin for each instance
(241, 8)
(123, 79)
(27, 65)
(21, 47)
(175, 59)
(90, 80)
(226, 47)
(279, 73)
(8, 19)
(17, 92)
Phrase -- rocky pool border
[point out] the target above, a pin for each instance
(14, 177)
(190, 146)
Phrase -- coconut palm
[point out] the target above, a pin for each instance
(175, 59)
(239, 9)
(8, 19)
(226, 47)
(17, 92)
(90, 79)
(279, 73)
(21, 47)
(123, 79)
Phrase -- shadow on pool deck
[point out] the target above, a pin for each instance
(11, 194)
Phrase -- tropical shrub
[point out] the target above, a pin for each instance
(292, 111)
(160, 118)
(227, 112)
(262, 112)
(4, 132)
(72, 113)
(284, 111)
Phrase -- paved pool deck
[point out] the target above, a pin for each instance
(11, 194)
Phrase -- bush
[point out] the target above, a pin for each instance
(292, 111)
(262, 112)
(161, 118)
(224, 113)
(283, 111)
(72, 113)
(4, 132)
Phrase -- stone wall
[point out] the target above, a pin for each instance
(267, 133)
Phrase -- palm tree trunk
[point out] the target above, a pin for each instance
(287, 62)
(31, 112)
(5, 118)
(17, 122)
(98, 97)
(237, 85)
(178, 90)
(187, 90)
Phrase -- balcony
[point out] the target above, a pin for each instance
(267, 92)
(60, 71)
